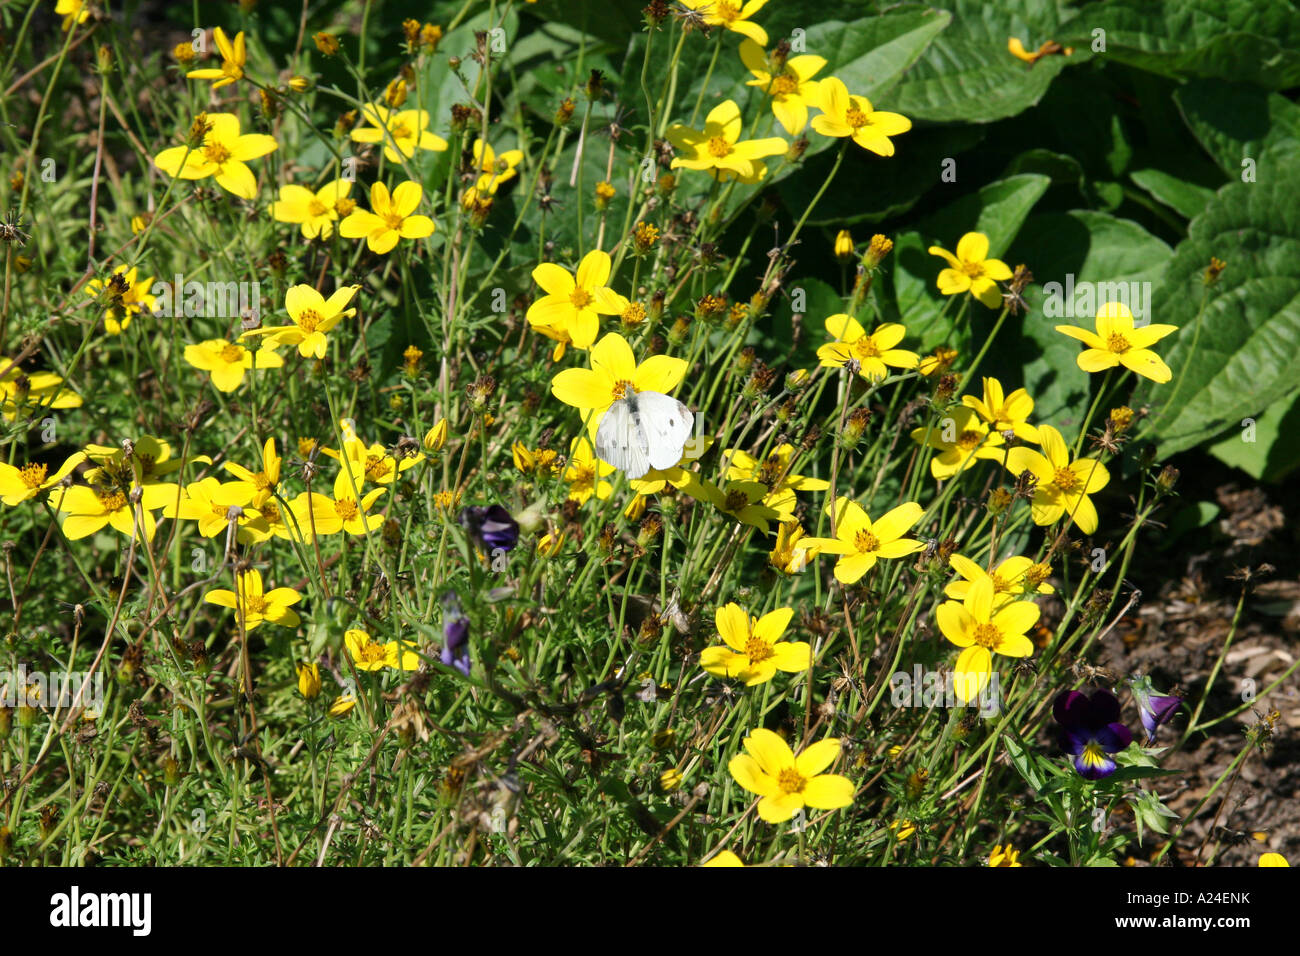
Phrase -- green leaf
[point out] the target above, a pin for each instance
(1246, 359)
(1187, 199)
(968, 75)
(1236, 122)
(1255, 40)
(1271, 450)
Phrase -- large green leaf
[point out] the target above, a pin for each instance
(1270, 449)
(1247, 352)
(967, 74)
(1189, 199)
(1255, 40)
(1235, 122)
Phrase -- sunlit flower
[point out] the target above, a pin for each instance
(257, 607)
(754, 651)
(614, 374)
(1005, 412)
(727, 858)
(773, 471)
(233, 57)
(226, 363)
(87, 510)
(436, 436)
(1013, 579)
(73, 12)
(150, 461)
(860, 542)
(343, 704)
(982, 629)
(959, 437)
(313, 316)
(1063, 486)
(574, 304)
(21, 390)
(371, 463)
(791, 90)
(1091, 731)
(371, 656)
(260, 485)
(1004, 856)
(214, 506)
(1154, 709)
(223, 154)
(873, 353)
(345, 512)
(586, 472)
(854, 116)
(389, 219)
(315, 211)
(788, 783)
(742, 500)
(791, 554)
(127, 296)
(718, 147)
(1118, 342)
(1272, 859)
(309, 684)
(402, 133)
(494, 168)
(971, 270)
(21, 484)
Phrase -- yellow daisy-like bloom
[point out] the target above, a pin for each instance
(259, 607)
(309, 680)
(227, 362)
(853, 116)
(260, 484)
(436, 436)
(1117, 342)
(573, 304)
(313, 316)
(982, 629)
(370, 463)
(792, 90)
(345, 512)
(214, 505)
(315, 211)
(1005, 412)
(151, 460)
(772, 471)
(1012, 579)
(732, 15)
(233, 57)
(128, 295)
(1063, 486)
(1272, 859)
(223, 154)
(402, 133)
(20, 391)
(788, 783)
(370, 656)
(389, 219)
(971, 270)
(754, 651)
(723, 858)
(719, 149)
(1004, 856)
(874, 352)
(72, 11)
(585, 472)
(860, 542)
(614, 374)
(21, 484)
(791, 554)
(342, 705)
(494, 168)
(87, 510)
(746, 501)
(960, 437)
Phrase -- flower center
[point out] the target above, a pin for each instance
(969, 440)
(584, 477)
(345, 509)
(1066, 480)
(987, 635)
(232, 353)
(866, 348)
(231, 69)
(790, 780)
(866, 542)
(373, 653)
(376, 467)
(32, 475)
(254, 603)
(580, 298)
(973, 269)
(1117, 343)
(784, 84)
(394, 221)
(345, 206)
(112, 500)
(757, 649)
(1094, 754)
(271, 513)
(1000, 584)
(726, 10)
(856, 118)
(308, 320)
(400, 131)
(719, 147)
(622, 389)
(216, 153)
(316, 208)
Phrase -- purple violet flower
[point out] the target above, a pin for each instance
(455, 634)
(1153, 708)
(491, 526)
(1091, 731)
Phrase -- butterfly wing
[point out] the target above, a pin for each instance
(620, 441)
(666, 424)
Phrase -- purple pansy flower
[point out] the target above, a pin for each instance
(455, 634)
(491, 526)
(1153, 708)
(1091, 731)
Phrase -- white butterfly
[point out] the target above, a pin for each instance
(644, 430)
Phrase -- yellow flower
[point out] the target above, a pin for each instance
(613, 375)
(223, 154)
(260, 607)
(233, 58)
(402, 133)
(903, 829)
(1063, 486)
(853, 116)
(971, 270)
(371, 463)
(549, 544)
(1117, 342)
(389, 218)
(982, 630)
(313, 316)
(149, 461)
(873, 352)
(1012, 579)
(1004, 856)
(938, 361)
(127, 296)
(860, 542)
(774, 472)
(227, 363)
(309, 680)
(733, 15)
(585, 472)
(742, 500)
(791, 553)
(315, 211)
(345, 512)
(723, 858)
(788, 783)
(343, 704)
(369, 656)
(718, 146)
(573, 304)
(791, 90)
(87, 510)
(436, 436)
(844, 245)
(21, 390)
(72, 11)
(260, 485)
(21, 484)
(1272, 859)
(214, 505)
(959, 437)
(754, 651)
(494, 168)
(1005, 412)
